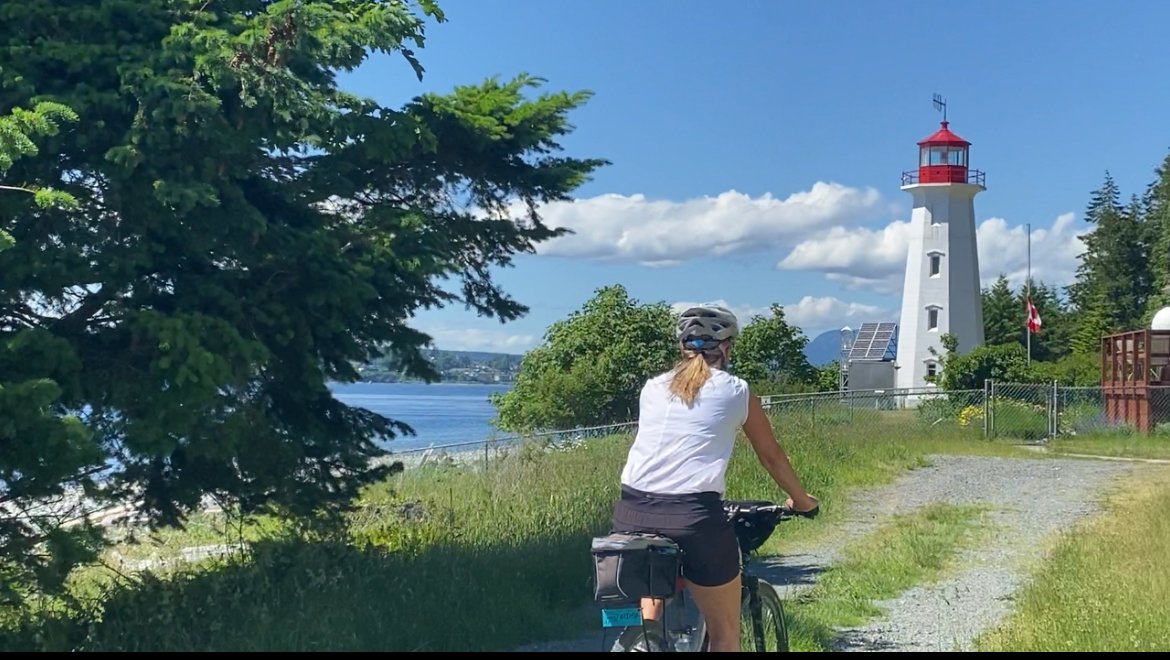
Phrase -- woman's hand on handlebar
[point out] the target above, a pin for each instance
(806, 506)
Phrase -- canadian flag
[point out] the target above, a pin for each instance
(1033, 322)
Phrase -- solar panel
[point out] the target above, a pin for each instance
(875, 341)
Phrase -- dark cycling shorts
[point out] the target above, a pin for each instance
(696, 522)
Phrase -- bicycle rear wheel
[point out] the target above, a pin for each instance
(762, 627)
(650, 637)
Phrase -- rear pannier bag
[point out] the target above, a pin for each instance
(629, 567)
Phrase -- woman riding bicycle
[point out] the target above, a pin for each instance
(673, 480)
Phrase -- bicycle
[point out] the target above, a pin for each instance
(762, 624)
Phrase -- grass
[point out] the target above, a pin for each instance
(904, 552)
(450, 558)
(1126, 445)
(1106, 586)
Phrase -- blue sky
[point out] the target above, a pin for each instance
(757, 151)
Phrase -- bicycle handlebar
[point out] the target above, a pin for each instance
(785, 512)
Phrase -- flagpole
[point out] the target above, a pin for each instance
(1028, 288)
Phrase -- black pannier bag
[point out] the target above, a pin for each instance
(629, 567)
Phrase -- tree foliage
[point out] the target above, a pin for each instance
(19, 131)
(1005, 314)
(1073, 370)
(769, 353)
(38, 449)
(592, 365)
(828, 378)
(970, 370)
(1113, 284)
(1156, 209)
(244, 232)
(1003, 322)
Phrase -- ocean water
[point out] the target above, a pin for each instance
(440, 413)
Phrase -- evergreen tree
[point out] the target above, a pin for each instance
(1005, 315)
(1156, 207)
(1113, 280)
(1092, 323)
(245, 231)
(1002, 321)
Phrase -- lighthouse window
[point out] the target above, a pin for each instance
(935, 265)
(931, 369)
(957, 157)
(932, 319)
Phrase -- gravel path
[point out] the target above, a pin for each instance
(1029, 502)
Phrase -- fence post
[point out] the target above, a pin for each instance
(991, 411)
(1055, 408)
(986, 408)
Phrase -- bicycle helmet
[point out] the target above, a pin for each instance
(706, 326)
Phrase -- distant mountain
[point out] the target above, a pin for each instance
(824, 348)
(475, 356)
(453, 366)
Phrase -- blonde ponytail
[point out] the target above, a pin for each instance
(689, 376)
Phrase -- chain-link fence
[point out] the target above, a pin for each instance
(875, 412)
(496, 447)
(1023, 411)
(1031, 412)
(1038, 411)
(1088, 410)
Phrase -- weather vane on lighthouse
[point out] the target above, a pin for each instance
(940, 104)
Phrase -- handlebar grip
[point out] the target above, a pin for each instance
(810, 514)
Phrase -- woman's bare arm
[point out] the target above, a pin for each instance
(759, 432)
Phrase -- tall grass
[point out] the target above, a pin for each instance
(1106, 586)
(452, 558)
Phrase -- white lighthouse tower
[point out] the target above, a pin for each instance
(941, 293)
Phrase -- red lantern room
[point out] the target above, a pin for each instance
(942, 158)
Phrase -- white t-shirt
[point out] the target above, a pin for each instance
(685, 450)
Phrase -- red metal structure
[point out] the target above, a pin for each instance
(942, 158)
(1135, 378)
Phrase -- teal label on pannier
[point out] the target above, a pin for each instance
(627, 616)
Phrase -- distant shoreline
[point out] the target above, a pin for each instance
(437, 382)
(502, 383)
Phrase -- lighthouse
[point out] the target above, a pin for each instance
(941, 293)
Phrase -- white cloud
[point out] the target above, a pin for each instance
(664, 233)
(859, 258)
(812, 315)
(876, 259)
(815, 315)
(1004, 249)
(479, 339)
